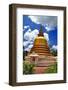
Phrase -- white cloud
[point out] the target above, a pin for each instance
(25, 43)
(27, 34)
(46, 36)
(54, 47)
(29, 37)
(49, 22)
(25, 27)
(30, 46)
(34, 19)
(49, 28)
(27, 49)
(35, 31)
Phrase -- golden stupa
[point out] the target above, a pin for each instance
(41, 45)
(40, 55)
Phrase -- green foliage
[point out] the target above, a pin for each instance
(27, 67)
(52, 69)
(24, 54)
(54, 52)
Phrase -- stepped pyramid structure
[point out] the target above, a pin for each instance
(40, 45)
(40, 54)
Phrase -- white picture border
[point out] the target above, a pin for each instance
(19, 65)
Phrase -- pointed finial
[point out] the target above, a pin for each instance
(40, 32)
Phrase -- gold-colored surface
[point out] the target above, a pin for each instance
(40, 45)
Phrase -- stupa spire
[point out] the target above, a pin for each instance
(40, 32)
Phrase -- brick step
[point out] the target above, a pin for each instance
(45, 62)
(41, 48)
(47, 58)
(40, 45)
(40, 70)
(46, 54)
(46, 49)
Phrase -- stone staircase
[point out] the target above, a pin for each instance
(46, 61)
(40, 70)
(43, 64)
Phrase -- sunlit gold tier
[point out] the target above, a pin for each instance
(40, 45)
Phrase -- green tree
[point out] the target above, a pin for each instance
(27, 67)
(54, 52)
(52, 69)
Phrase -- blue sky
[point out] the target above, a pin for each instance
(31, 27)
